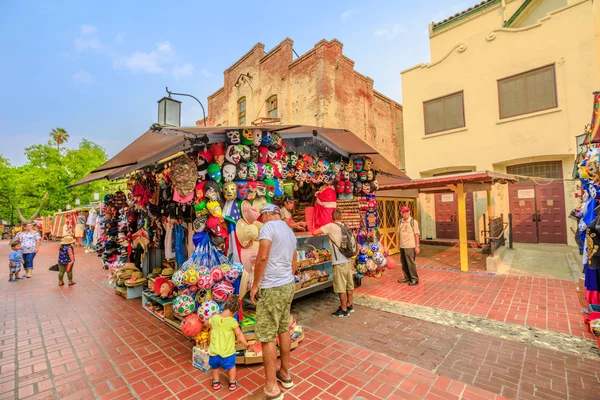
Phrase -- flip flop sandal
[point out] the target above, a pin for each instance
(72, 283)
(233, 385)
(216, 385)
(61, 284)
(286, 383)
(278, 396)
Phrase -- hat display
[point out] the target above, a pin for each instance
(136, 279)
(167, 272)
(67, 240)
(246, 233)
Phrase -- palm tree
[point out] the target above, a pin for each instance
(60, 136)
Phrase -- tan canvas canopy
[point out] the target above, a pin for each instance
(153, 146)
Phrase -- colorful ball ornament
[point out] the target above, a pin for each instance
(375, 247)
(208, 309)
(203, 296)
(363, 249)
(390, 262)
(362, 258)
(190, 277)
(217, 274)
(202, 270)
(191, 325)
(232, 274)
(205, 282)
(183, 305)
(222, 291)
(238, 267)
(361, 268)
(371, 266)
(369, 253)
(177, 279)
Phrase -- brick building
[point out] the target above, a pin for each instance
(319, 88)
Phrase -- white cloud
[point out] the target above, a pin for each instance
(180, 71)
(87, 40)
(88, 30)
(347, 14)
(83, 77)
(141, 62)
(163, 47)
(389, 32)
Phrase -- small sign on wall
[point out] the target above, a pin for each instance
(550, 202)
(526, 194)
(447, 198)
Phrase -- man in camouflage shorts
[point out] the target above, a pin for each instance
(272, 291)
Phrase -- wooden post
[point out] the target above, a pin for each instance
(490, 208)
(462, 227)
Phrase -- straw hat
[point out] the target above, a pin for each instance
(137, 279)
(249, 213)
(246, 233)
(258, 203)
(67, 240)
(167, 272)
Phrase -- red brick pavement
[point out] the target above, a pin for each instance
(84, 342)
(539, 302)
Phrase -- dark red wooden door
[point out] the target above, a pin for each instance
(550, 199)
(446, 216)
(446, 210)
(522, 207)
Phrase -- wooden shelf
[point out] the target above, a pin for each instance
(157, 299)
(313, 288)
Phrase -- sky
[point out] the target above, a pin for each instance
(97, 68)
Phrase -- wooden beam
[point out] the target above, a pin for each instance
(490, 207)
(462, 227)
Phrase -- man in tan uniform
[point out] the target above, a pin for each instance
(408, 237)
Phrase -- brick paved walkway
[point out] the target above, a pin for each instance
(539, 302)
(83, 342)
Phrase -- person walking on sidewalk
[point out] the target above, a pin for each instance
(408, 238)
(66, 259)
(272, 291)
(30, 245)
(343, 279)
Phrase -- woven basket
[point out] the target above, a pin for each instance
(324, 278)
(298, 286)
(313, 281)
(581, 293)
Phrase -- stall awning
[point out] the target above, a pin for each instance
(441, 183)
(152, 147)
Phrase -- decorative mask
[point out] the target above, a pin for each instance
(271, 186)
(254, 154)
(278, 188)
(233, 137)
(261, 189)
(289, 172)
(252, 171)
(340, 186)
(370, 175)
(276, 141)
(368, 164)
(242, 171)
(218, 152)
(214, 172)
(269, 171)
(267, 139)
(322, 165)
(229, 190)
(233, 154)
(358, 188)
(283, 156)
(245, 153)
(374, 185)
(260, 169)
(214, 208)
(349, 166)
(214, 225)
(349, 187)
(299, 175)
(277, 168)
(358, 164)
(256, 137)
(271, 156)
(307, 162)
(204, 157)
(362, 176)
(353, 176)
(242, 190)
(200, 223)
(202, 172)
(229, 171)
(212, 190)
(345, 176)
(200, 191)
(293, 159)
(247, 137)
(252, 188)
(366, 187)
(263, 155)
(318, 178)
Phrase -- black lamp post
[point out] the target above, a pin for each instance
(171, 109)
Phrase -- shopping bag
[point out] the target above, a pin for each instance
(200, 358)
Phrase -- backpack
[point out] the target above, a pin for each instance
(349, 246)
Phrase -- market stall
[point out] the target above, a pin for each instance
(183, 236)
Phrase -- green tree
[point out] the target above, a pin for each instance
(60, 136)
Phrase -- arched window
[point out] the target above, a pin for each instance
(272, 107)
(242, 111)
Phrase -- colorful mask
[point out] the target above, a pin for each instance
(370, 175)
(247, 137)
(349, 187)
(368, 164)
(271, 156)
(349, 166)
(271, 186)
(242, 190)
(254, 154)
(358, 188)
(204, 157)
(345, 176)
(289, 172)
(340, 186)
(252, 171)
(233, 137)
(218, 152)
(354, 176)
(202, 172)
(362, 176)
(200, 191)
(261, 189)
(306, 162)
(267, 139)
(214, 172)
(212, 190)
(366, 188)
(278, 188)
(260, 171)
(252, 188)
(214, 208)
(256, 137)
(276, 141)
(292, 159)
(277, 168)
(283, 156)
(269, 171)
(242, 171)
(358, 164)
(214, 226)
(245, 153)
(263, 155)
(229, 190)
(233, 154)
(229, 171)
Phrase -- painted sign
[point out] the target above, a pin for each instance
(526, 194)
(447, 198)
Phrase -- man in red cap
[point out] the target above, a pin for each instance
(408, 238)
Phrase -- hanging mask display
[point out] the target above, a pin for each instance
(353, 176)
(277, 168)
(366, 187)
(229, 190)
(200, 191)
(358, 164)
(229, 171)
(245, 153)
(340, 186)
(261, 189)
(202, 172)
(252, 188)
(370, 175)
(242, 171)
(247, 137)
(358, 188)
(214, 172)
(212, 191)
(269, 171)
(256, 137)
(349, 187)
(271, 156)
(362, 176)
(292, 159)
(368, 164)
(242, 190)
(276, 141)
(252, 171)
(254, 154)
(214, 208)
(260, 170)
(218, 152)
(233, 137)
(263, 155)
(267, 139)
(233, 154)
